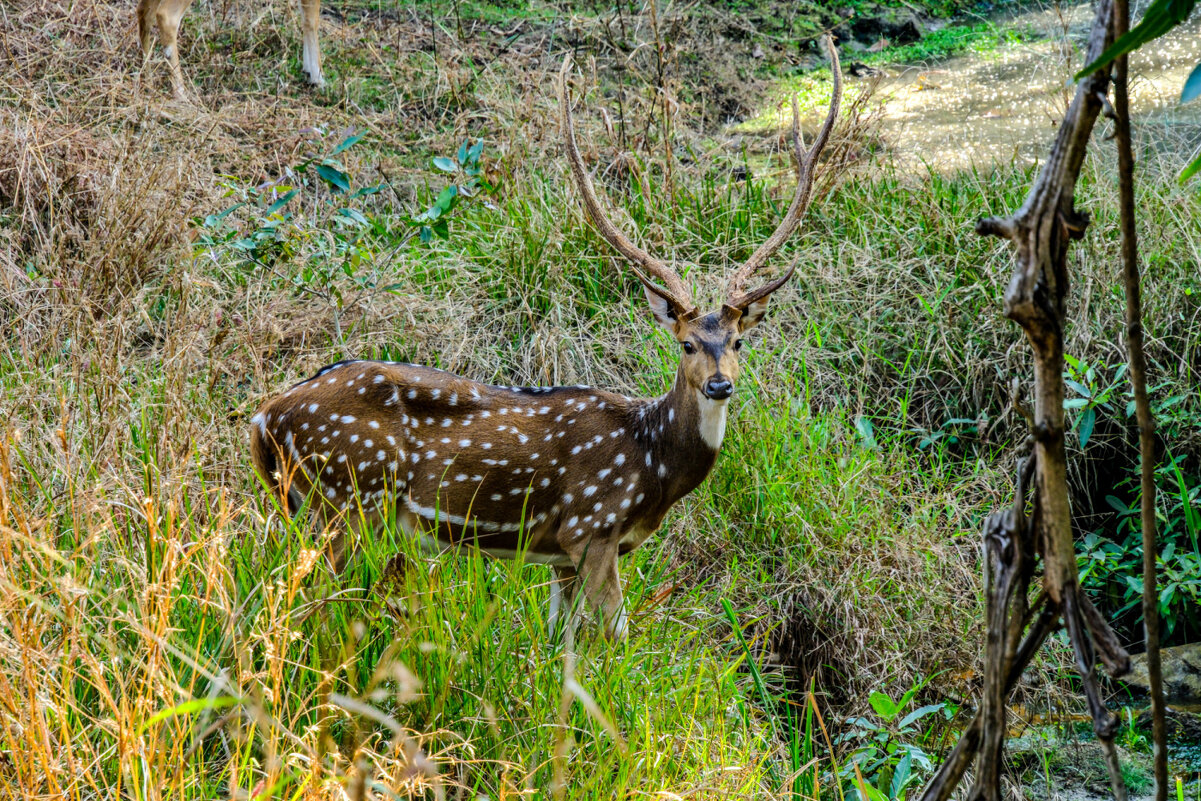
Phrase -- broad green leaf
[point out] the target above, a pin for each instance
(919, 713)
(883, 705)
(445, 164)
(473, 155)
(1088, 420)
(442, 228)
(337, 179)
(1075, 403)
(1117, 504)
(446, 198)
(901, 776)
(348, 142)
(462, 154)
(1192, 85)
(1081, 389)
(426, 234)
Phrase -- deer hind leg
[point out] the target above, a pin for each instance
(310, 23)
(597, 565)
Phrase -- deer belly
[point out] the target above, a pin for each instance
(447, 521)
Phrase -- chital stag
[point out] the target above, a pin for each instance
(568, 476)
(167, 14)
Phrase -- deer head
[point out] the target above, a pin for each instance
(709, 343)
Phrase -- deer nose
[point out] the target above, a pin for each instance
(718, 388)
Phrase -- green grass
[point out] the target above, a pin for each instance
(952, 40)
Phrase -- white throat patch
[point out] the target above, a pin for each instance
(713, 419)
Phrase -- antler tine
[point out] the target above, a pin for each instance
(805, 164)
(675, 287)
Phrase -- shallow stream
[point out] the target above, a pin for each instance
(1004, 103)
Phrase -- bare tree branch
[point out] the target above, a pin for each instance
(1138, 379)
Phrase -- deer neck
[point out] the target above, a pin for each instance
(682, 431)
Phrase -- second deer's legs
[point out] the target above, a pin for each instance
(167, 15)
(310, 22)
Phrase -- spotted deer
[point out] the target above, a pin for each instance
(568, 476)
(167, 14)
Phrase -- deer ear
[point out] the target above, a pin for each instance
(753, 314)
(667, 312)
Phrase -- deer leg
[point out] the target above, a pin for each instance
(310, 23)
(146, 11)
(597, 561)
(168, 15)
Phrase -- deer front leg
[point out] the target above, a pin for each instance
(310, 22)
(596, 561)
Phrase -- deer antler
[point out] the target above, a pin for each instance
(805, 163)
(672, 285)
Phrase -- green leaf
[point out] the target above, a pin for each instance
(212, 220)
(866, 432)
(368, 190)
(462, 154)
(426, 234)
(1191, 170)
(279, 204)
(1192, 85)
(1088, 421)
(445, 164)
(353, 214)
(348, 142)
(473, 155)
(1161, 17)
(1081, 389)
(1075, 403)
(447, 197)
(883, 705)
(442, 228)
(337, 179)
(919, 713)
(901, 776)
(188, 707)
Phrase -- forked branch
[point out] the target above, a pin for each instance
(806, 164)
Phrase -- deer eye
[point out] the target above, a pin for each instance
(689, 348)
(738, 344)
